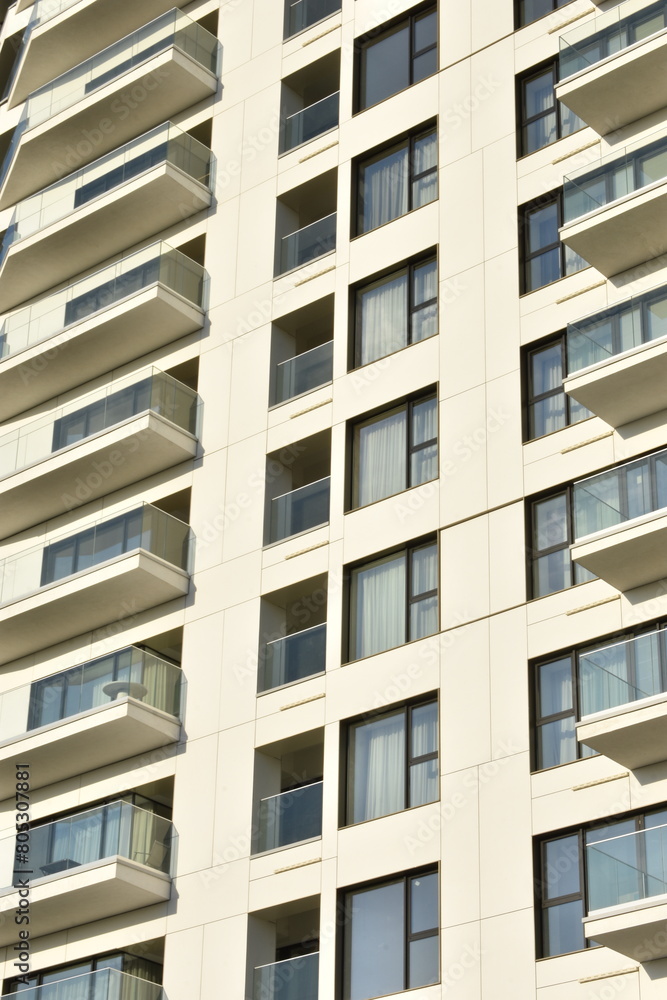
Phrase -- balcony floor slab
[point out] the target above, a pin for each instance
(633, 929)
(633, 735)
(627, 556)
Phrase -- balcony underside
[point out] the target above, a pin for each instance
(101, 736)
(89, 235)
(151, 94)
(623, 234)
(629, 555)
(633, 735)
(113, 592)
(90, 469)
(83, 895)
(79, 32)
(619, 90)
(625, 387)
(633, 929)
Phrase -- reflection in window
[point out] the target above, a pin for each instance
(398, 310)
(398, 180)
(398, 58)
(551, 535)
(549, 406)
(543, 119)
(530, 10)
(544, 257)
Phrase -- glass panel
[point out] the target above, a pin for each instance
(310, 122)
(376, 781)
(385, 66)
(424, 420)
(542, 228)
(300, 510)
(424, 65)
(538, 93)
(383, 189)
(424, 783)
(561, 867)
(557, 743)
(374, 943)
(551, 573)
(563, 929)
(423, 903)
(304, 372)
(293, 658)
(425, 31)
(424, 570)
(302, 13)
(380, 449)
(307, 244)
(423, 617)
(539, 133)
(543, 269)
(290, 817)
(378, 606)
(383, 310)
(424, 962)
(291, 979)
(424, 465)
(546, 369)
(555, 686)
(550, 522)
(424, 323)
(424, 737)
(547, 415)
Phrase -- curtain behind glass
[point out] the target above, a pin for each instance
(378, 768)
(381, 458)
(378, 606)
(384, 311)
(384, 189)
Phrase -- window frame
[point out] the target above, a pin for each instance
(10, 985)
(348, 726)
(365, 42)
(531, 398)
(519, 23)
(533, 553)
(524, 120)
(554, 197)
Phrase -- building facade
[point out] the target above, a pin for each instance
(333, 499)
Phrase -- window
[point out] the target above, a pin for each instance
(397, 180)
(395, 450)
(392, 761)
(397, 310)
(610, 673)
(119, 962)
(550, 539)
(542, 119)
(544, 257)
(391, 941)
(402, 55)
(549, 408)
(528, 11)
(88, 548)
(101, 414)
(393, 599)
(619, 861)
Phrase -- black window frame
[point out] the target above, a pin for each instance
(343, 917)
(557, 108)
(533, 553)
(407, 404)
(525, 256)
(364, 42)
(406, 708)
(531, 398)
(520, 23)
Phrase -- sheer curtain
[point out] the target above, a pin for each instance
(384, 311)
(378, 762)
(424, 613)
(381, 455)
(384, 189)
(378, 606)
(424, 740)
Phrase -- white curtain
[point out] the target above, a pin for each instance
(424, 740)
(378, 761)
(378, 603)
(425, 157)
(384, 189)
(384, 310)
(381, 457)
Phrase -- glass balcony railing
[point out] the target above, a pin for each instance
(614, 177)
(623, 327)
(622, 494)
(300, 510)
(300, 14)
(132, 672)
(97, 412)
(294, 657)
(623, 672)
(291, 979)
(309, 123)
(158, 264)
(105, 984)
(304, 372)
(626, 868)
(290, 817)
(307, 244)
(610, 33)
(171, 30)
(117, 828)
(145, 527)
(164, 144)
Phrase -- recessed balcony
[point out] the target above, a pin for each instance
(126, 196)
(293, 658)
(306, 223)
(300, 510)
(620, 523)
(623, 699)
(96, 106)
(609, 66)
(627, 892)
(617, 359)
(288, 792)
(62, 31)
(615, 212)
(102, 711)
(304, 372)
(75, 583)
(104, 984)
(142, 302)
(107, 860)
(289, 979)
(97, 444)
(308, 243)
(301, 14)
(307, 124)
(290, 817)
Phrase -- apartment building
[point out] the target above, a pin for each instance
(333, 499)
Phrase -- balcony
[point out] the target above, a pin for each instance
(309, 243)
(290, 817)
(124, 197)
(617, 359)
(310, 122)
(293, 658)
(623, 700)
(107, 860)
(300, 510)
(95, 445)
(102, 711)
(61, 31)
(90, 110)
(291, 979)
(301, 14)
(620, 523)
(608, 66)
(615, 212)
(303, 373)
(96, 324)
(627, 892)
(75, 583)
(104, 984)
